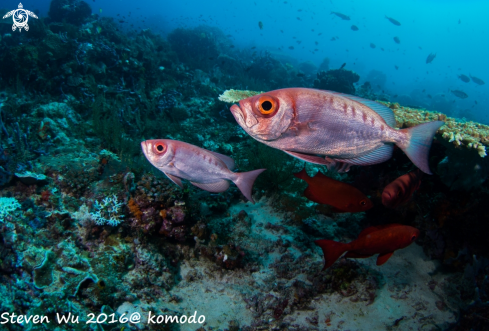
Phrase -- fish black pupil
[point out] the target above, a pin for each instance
(159, 148)
(266, 105)
(413, 238)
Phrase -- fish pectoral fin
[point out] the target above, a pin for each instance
(216, 187)
(383, 258)
(379, 155)
(226, 159)
(174, 179)
(308, 158)
(354, 255)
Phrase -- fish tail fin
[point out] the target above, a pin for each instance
(302, 174)
(332, 250)
(245, 181)
(418, 147)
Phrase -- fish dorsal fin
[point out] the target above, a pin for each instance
(383, 258)
(216, 187)
(385, 112)
(174, 179)
(226, 159)
(379, 155)
(375, 228)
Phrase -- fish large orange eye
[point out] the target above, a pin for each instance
(160, 148)
(413, 238)
(267, 105)
(363, 202)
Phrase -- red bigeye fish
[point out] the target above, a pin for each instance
(401, 190)
(332, 129)
(382, 240)
(343, 197)
(207, 170)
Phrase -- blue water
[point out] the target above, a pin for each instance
(455, 30)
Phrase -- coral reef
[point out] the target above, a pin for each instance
(88, 226)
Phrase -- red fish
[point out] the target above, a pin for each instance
(401, 190)
(382, 240)
(332, 129)
(342, 196)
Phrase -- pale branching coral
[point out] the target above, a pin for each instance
(108, 212)
(7, 205)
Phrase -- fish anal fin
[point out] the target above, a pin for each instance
(215, 187)
(354, 255)
(379, 155)
(174, 179)
(309, 158)
(226, 159)
(383, 258)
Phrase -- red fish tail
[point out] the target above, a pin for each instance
(418, 147)
(302, 174)
(332, 250)
(245, 182)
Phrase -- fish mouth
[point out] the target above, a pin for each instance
(145, 147)
(237, 113)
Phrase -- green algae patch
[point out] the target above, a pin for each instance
(43, 275)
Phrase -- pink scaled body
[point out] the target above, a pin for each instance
(205, 169)
(330, 128)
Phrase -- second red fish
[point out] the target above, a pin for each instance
(342, 196)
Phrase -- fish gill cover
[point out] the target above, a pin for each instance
(89, 226)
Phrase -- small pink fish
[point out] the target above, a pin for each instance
(207, 170)
(401, 189)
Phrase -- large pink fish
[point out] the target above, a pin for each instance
(207, 170)
(333, 129)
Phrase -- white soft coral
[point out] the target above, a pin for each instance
(108, 211)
